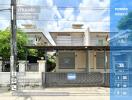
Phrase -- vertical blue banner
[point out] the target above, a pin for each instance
(121, 50)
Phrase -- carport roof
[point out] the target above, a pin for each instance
(99, 48)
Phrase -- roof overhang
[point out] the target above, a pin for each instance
(96, 48)
(40, 33)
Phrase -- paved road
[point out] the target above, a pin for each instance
(91, 93)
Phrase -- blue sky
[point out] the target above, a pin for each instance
(60, 14)
(63, 13)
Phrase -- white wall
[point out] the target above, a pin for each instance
(35, 76)
(5, 77)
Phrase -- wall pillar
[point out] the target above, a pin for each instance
(0, 65)
(22, 66)
(42, 70)
(87, 38)
(41, 65)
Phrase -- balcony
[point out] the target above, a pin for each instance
(69, 41)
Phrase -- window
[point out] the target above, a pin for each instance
(101, 42)
(66, 60)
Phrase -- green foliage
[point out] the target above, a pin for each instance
(126, 22)
(51, 63)
(32, 52)
(52, 58)
(5, 43)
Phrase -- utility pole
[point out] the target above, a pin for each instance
(13, 57)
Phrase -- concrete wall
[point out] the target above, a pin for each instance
(80, 61)
(5, 77)
(22, 74)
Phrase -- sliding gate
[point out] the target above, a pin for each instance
(73, 79)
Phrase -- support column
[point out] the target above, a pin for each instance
(87, 61)
(95, 61)
(105, 62)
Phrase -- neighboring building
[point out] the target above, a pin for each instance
(36, 37)
(121, 39)
(80, 60)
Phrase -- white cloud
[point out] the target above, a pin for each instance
(68, 12)
(91, 14)
(50, 3)
(95, 19)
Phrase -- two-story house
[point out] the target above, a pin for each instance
(80, 60)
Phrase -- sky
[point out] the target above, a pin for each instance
(114, 20)
(61, 14)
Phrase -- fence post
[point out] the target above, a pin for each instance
(22, 66)
(41, 66)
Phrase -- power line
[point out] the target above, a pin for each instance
(61, 20)
(5, 9)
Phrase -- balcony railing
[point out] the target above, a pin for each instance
(69, 41)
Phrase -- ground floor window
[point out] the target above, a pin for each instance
(66, 60)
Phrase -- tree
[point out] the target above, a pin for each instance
(126, 22)
(5, 43)
(51, 63)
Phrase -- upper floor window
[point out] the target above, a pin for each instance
(100, 42)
